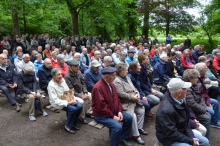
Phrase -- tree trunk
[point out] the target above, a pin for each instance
(146, 25)
(24, 19)
(167, 17)
(15, 19)
(131, 21)
(75, 21)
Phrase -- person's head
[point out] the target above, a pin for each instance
(103, 54)
(28, 69)
(186, 52)
(117, 50)
(134, 66)
(26, 58)
(143, 59)
(121, 70)
(19, 53)
(95, 65)
(68, 47)
(171, 55)
(131, 53)
(202, 59)
(217, 55)
(47, 46)
(47, 63)
(39, 57)
(56, 74)
(73, 65)
(108, 74)
(191, 75)
(122, 56)
(219, 45)
(3, 59)
(178, 54)
(196, 47)
(164, 57)
(178, 88)
(60, 59)
(5, 52)
(77, 56)
(84, 50)
(107, 61)
(97, 55)
(34, 53)
(54, 55)
(73, 49)
(19, 48)
(109, 52)
(39, 48)
(201, 68)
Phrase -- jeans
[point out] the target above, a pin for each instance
(118, 131)
(72, 112)
(214, 112)
(180, 144)
(148, 105)
(8, 94)
(205, 119)
(203, 141)
(156, 98)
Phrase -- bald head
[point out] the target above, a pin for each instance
(26, 58)
(3, 59)
(47, 63)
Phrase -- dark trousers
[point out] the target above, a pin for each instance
(149, 104)
(8, 94)
(72, 112)
(213, 92)
(118, 131)
(205, 119)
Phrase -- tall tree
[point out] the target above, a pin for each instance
(15, 18)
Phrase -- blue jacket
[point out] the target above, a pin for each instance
(145, 81)
(160, 73)
(155, 59)
(135, 78)
(196, 55)
(8, 77)
(179, 67)
(37, 65)
(91, 78)
(129, 59)
(168, 40)
(83, 59)
(44, 75)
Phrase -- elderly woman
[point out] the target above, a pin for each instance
(38, 63)
(97, 55)
(194, 99)
(61, 64)
(130, 99)
(134, 74)
(54, 58)
(27, 87)
(185, 60)
(107, 61)
(122, 58)
(81, 67)
(115, 55)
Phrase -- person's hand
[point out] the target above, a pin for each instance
(197, 124)
(85, 96)
(154, 92)
(116, 118)
(195, 142)
(33, 93)
(136, 97)
(145, 99)
(120, 116)
(11, 85)
(210, 106)
(15, 85)
(74, 101)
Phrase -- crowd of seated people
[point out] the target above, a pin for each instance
(116, 87)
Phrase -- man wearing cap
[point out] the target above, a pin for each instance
(27, 87)
(172, 117)
(92, 75)
(107, 108)
(8, 80)
(74, 79)
(130, 56)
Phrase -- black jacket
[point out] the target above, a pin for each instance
(170, 69)
(172, 123)
(45, 76)
(8, 77)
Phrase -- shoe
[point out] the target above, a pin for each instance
(32, 118)
(139, 141)
(70, 131)
(216, 125)
(83, 121)
(45, 114)
(89, 115)
(18, 107)
(124, 143)
(75, 127)
(43, 96)
(142, 132)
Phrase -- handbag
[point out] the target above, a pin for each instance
(68, 95)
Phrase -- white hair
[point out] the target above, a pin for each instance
(76, 54)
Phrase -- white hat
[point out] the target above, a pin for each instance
(176, 84)
(95, 63)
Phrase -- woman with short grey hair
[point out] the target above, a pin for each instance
(130, 99)
(107, 61)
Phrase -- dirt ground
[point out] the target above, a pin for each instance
(17, 130)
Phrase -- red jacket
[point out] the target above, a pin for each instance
(185, 63)
(216, 64)
(152, 52)
(64, 69)
(104, 102)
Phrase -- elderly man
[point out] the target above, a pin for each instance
(92, 75)
(8, 80)
(61, 64)
(25, 62)
(172, 117)
(107, 108)
(160, 71)
(97, 55)
(56, 88)
(75, 79)
(44, 74)
(196, 53)
(27, 87)
(81, 67)
(130, 56)
(84, 58)
(47, 51)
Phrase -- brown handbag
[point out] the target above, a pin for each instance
(68, 95)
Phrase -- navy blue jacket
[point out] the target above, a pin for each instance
(155, 59)
(91, 78)
(160, 73)
(44, 75)
(145, 81)
(8, 77)
(179, 67)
